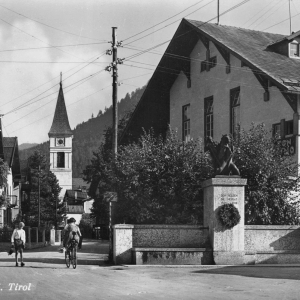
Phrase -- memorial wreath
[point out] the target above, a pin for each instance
(229, 215)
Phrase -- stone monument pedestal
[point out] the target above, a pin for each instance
(227, 244)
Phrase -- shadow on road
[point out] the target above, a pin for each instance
(93, 252)
(273, 272)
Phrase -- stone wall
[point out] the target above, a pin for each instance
(270, 244)
(127, 237)
(271, 238)
(170, 236)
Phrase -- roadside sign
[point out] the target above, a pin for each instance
(111, 196)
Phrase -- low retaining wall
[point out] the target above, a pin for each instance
(271, 244)
(127, 237)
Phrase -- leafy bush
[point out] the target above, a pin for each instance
(271, 194)
(229, 215)
(86, 225)
(157, 180)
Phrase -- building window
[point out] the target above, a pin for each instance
(289, 128)
(209, 117)
(203, 66)
(60, 159)
(212, 62)
(294, 49)
(276, 130)
(189, 83)
(234, 110)
(186, 126)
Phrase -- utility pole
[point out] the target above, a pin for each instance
(115, 92)
(39, 199)
(218, 12)
(290, 16)
(114, 68)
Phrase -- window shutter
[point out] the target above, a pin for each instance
(266, 96)
(207, 59)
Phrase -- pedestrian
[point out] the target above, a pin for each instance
(18, 239)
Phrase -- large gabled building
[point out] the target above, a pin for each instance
(213, 78)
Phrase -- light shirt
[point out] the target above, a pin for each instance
(72, 227)
(18, 234)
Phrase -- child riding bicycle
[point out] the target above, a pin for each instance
(68, 233)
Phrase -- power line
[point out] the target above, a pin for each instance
(64, 31)
(47, 62)
(170, 23)
(280, 22)
(57, 46)
(162, 21)
(258, 86)
(85, 79)
(228, 10)
(268, 10)
(29, 102)
(67, 106)
(10, 101)
(268, 16)
(37, 38)
(261, 10)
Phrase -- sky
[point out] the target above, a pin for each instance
(41, 38)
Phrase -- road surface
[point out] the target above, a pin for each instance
(45, 276)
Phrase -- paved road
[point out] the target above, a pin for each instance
(45, 276)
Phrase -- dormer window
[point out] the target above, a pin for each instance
(294, 49)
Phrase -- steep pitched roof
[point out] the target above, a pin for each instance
(11, 155)
(78, 195)
(252, 47)
(60, 125)
(287, 38)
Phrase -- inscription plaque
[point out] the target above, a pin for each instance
(229, 198)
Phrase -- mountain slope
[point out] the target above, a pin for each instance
(27, 146)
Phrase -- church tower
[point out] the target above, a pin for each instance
(60, 136)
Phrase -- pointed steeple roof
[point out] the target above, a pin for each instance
(60, 125)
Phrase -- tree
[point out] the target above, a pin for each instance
(272, 178)
(51, 208)
(3, 175)
(86, 225)
(158, 181)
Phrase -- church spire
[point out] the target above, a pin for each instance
(60, 125)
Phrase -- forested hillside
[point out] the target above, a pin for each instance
(88, 135)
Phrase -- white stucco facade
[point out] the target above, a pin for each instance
(63, 174)
(216, 83)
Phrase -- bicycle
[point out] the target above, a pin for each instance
(71, 252)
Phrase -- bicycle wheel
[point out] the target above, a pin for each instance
(74, 257)
(67, 258)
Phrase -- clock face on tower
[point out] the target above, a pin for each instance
(60, 142)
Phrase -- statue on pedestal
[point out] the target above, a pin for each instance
(222, 155)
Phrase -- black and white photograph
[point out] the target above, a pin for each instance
(149, 149)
